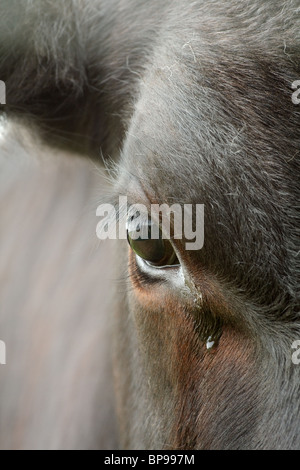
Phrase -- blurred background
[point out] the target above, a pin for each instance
(55, 299)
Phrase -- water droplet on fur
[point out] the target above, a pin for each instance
(210, 343)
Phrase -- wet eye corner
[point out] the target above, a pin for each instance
(187, 221)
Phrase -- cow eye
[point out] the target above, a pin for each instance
(156, 251)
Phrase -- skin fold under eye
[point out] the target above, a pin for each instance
(155, 251)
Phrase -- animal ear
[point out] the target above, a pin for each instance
(64, 67)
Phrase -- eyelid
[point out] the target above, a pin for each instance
(173, 273)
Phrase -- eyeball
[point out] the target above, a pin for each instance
(156, 251)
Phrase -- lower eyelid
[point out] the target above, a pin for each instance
(146, 266)
(172, 275)
(143, 276)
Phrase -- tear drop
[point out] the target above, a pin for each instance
(209, 343)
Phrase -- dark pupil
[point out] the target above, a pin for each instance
(158, 252)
